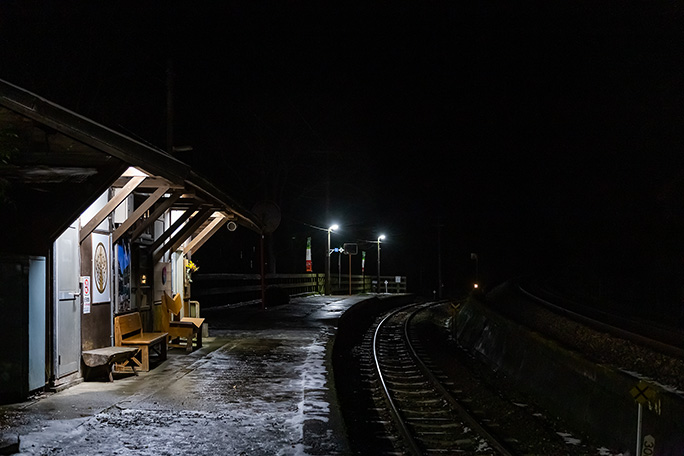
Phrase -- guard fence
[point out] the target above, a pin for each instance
(226, 288)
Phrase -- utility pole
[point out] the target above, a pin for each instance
(169, 106)
(439, 259)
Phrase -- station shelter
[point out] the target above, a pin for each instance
(94, 224)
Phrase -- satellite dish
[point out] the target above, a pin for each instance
(232, 226)
(269, 215)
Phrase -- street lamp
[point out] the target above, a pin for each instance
(327, 261)
(380, 238)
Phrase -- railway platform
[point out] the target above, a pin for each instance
(260, 385)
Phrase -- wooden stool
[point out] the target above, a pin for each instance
(103, 358)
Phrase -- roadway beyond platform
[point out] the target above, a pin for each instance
(261, 385)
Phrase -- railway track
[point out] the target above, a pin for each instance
(427, 412)
(407, 387)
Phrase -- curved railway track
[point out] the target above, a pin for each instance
(424, 407)
(408, 387)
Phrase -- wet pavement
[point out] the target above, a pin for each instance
(261, 385)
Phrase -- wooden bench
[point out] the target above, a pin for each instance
(184, 329)
(128, 333)
(104, 358)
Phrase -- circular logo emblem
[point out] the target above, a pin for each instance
(100, 265)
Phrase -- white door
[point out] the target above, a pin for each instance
(68, 303)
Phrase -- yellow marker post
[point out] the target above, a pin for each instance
(643, 393)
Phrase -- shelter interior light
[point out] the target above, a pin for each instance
(133, 172)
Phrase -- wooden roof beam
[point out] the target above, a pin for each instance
(206, 233)
(139, 211)
(150, 182)
(174, 226)
(110, 206)
(188, 230)
(156, 213)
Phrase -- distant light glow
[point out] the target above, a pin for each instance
(475, 285)
(333, 228)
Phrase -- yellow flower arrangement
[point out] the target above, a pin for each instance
(190, 267)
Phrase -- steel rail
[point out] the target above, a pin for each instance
(413, 446)
(463, 414)
(462, 411)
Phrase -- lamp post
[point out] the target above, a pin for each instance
(327, 261)
(380, 238)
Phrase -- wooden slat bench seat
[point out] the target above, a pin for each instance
(128, 333)
(103, 358)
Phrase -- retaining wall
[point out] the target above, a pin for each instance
(591, 398)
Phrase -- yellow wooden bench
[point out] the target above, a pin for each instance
(183, 331)
(128, 333)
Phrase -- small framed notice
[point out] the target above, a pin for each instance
(85, 280)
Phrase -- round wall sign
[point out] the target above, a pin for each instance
(100, 271)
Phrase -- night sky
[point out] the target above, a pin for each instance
(546, 138)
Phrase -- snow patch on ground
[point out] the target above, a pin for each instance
(569, 439)
(313, 409)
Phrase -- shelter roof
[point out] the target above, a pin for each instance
(54, 163)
